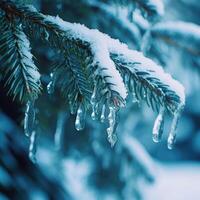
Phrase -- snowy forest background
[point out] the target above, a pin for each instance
(83, 165)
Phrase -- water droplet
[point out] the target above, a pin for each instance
(29, 119)
(112, 137)
(33, 147)
(158, 126)
(80, 117)
(172, 134)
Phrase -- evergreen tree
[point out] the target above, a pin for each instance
(93, 75)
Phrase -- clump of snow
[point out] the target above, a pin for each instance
(148, 65)
(102, 46)
(99, 50)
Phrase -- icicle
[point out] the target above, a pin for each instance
(102, 118)
(93, 115)
(80, 118)
(158, 126)
(172, 134)
(50, 86)
(93, 97)
(32, 147)
(93, 103)
(29, 119)
(134, 97)
(59, 129)
(144, 94)
(112, 137)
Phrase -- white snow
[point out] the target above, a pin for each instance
(102, 46)
(99, 49)
(158, 5)
(148, 65)
(175, 182)
(185, 28)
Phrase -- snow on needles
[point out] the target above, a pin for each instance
(102, 46)
(99, 49)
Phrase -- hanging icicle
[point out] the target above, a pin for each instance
(29, 119)
(93, 102)
(132, 89)
(32, 147)
(112, 137)
(61, 119)
(80, 117)
(102, 117)
(172, 134)
(158, 126)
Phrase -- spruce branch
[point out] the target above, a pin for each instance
(20, 72)
(121, 26)
(183, 37)
(151, 7)
(179, 34)
(106, 66)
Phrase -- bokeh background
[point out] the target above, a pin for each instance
(84, 166)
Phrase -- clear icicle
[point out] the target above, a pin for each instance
(172, 134)
(80, 117)
(93, 103)
(158, 126)
(32, 147)
(93, 115)
(29, 119)
(93, 97)
(102, 117)
(59, 129)
(112, 137)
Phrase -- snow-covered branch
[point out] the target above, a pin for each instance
(113, 68)
(180, 34)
